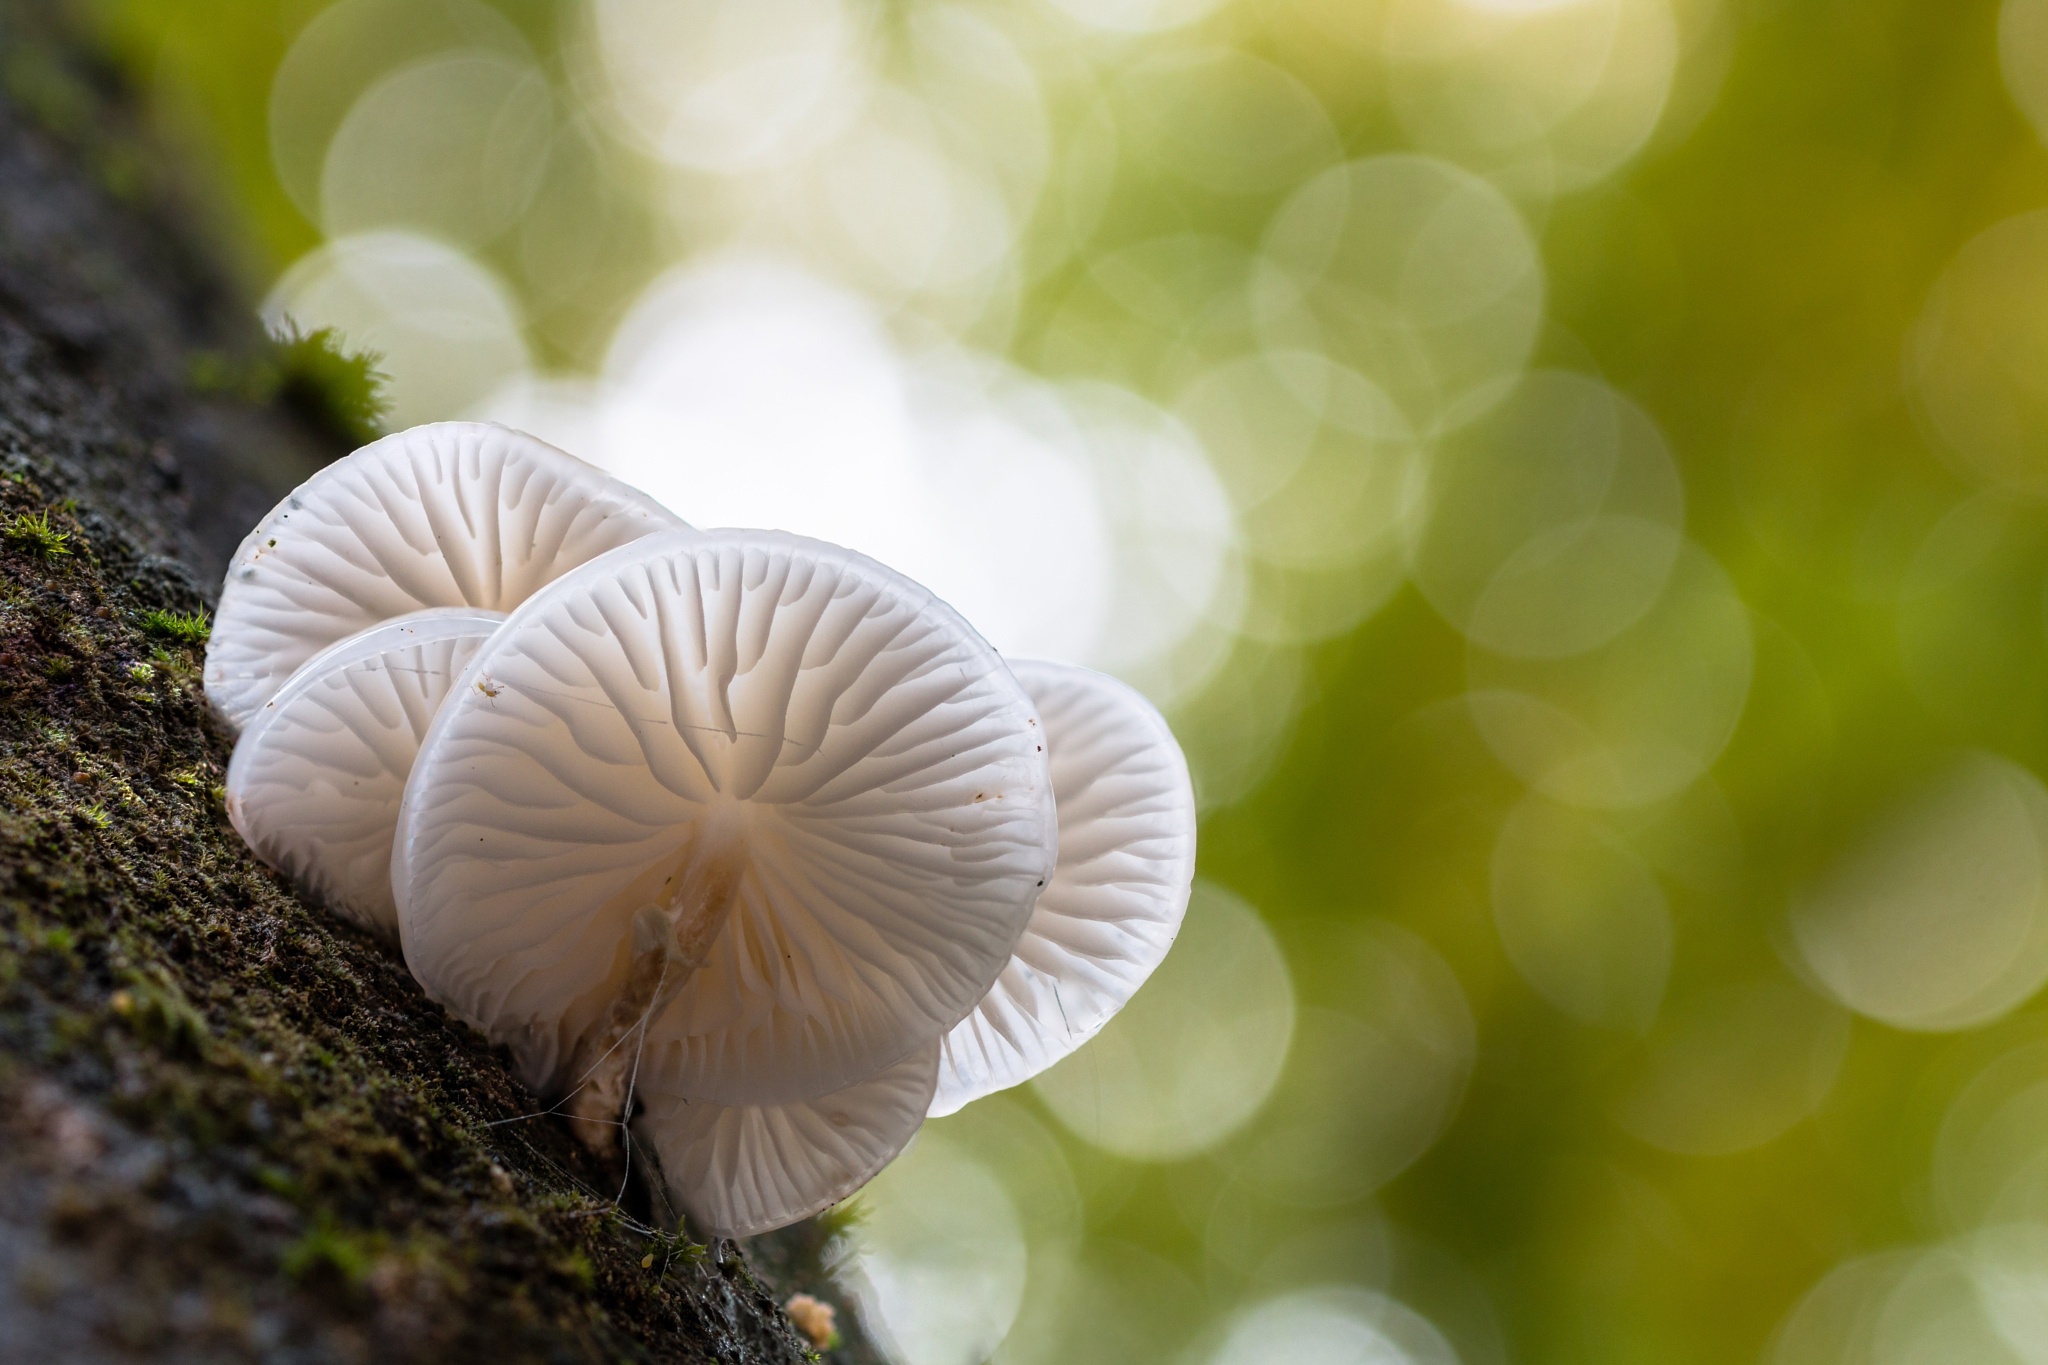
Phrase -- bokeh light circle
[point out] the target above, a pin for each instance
(1935, 916)
(1419, 275)
(1553, 522)
(347, 48)
(1136, 16)
(1581, 917)
(1235, 729)
(1196, 1053)
(749, 393)
(1979, 360)
(1834, 1322)
(1107, 1302)
(1637, 719)
(1350, 496)
(1732, 1068)
(1991, 1153)
(2008, 1268)
(939, 1257)
(1223, 119)
(1151, 313)
(1939, 1311)
(906, 210)
(1259, 428)
(1331, 1326)
(2023, 58)
(445, 330)
(1024, 541)
(1369, 1087)
(1172, 532)
(1551, 97)
(453, 147)
(731, 86)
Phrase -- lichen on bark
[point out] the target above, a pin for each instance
(231, 1127)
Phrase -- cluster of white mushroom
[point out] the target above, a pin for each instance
(736, 837)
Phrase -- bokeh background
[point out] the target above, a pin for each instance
(1572, 470)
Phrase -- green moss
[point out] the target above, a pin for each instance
(576, 1265)
(160, 1015)
(216, 372)
(335, 387)
(338, 387)
(185, 627)
(326, 1249)
(34, 533)
(149, 959)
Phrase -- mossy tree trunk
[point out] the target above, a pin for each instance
(230, 1127)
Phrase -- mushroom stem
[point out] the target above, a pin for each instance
(671, 940)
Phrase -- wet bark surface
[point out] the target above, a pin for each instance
(231, 1127)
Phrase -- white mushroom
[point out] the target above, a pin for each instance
(740, 1170)
(318, 773)
(1117, 896)
(746, 815)
(452, 514)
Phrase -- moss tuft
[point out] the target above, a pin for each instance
(34, 533)
(327, 1250)
(186, 627)
(338, 388)
(334, 387)
(577, 1266)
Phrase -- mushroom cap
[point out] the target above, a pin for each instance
(739, 1170)
(317, 775)
(880, 770)
(452, 514)
(1117, 896)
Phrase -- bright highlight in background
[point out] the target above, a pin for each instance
(1074, 523)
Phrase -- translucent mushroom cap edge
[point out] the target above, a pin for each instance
(451, 514)
(318, 774)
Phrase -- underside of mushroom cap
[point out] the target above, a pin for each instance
(1117, 896)
(815, 774)
(453, 514)
(317, 776)
(739, 1170)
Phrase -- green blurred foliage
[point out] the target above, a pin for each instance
(1752, 280)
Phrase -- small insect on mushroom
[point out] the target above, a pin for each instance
(1116, 898)
(714, 846)
(318, 772)
(452, 514)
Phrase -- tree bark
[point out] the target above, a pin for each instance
(231, 1127)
